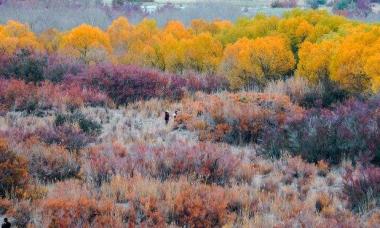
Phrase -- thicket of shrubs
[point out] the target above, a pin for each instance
(347, 130)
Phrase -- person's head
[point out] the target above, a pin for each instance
(5, 219)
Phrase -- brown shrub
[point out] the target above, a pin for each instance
(14, 174)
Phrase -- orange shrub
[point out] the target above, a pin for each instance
(82, 212)
(202, 206)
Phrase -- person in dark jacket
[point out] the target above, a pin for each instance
(167, 117)
(6, 224)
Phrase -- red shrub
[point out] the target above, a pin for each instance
(205, 83)
(348, 130)
(146, 212)
(72, 203)
(5, 205)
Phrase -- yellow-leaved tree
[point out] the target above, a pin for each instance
(350, 64)
(202, 53)
(87, 43)
(50, 39)
(169, 52)
(177, 29)
(297, 30)
(15, 36)
(119, 32)
(314, 60)
(372, 65)
(140, 43)
(260, 26)
(256, 61)
(141, 54)
(8, 45)
(235, 64)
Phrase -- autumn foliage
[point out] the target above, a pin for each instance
(273, 122)
(250, 62)
(249, 53)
